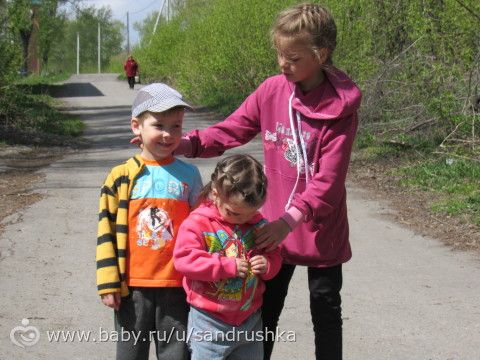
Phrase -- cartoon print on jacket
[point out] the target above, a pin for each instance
(281, 141)
(237, 245)
(154, 228)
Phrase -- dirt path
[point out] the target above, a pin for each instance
(405, 296)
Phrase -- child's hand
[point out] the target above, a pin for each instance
(259, 264)
(242, 268)
(270, 235)
(137, 141)
(112, 300)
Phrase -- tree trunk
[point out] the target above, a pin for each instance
(25, 35)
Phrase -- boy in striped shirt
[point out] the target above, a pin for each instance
(142, 204)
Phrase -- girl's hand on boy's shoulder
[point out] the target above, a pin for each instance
(112, 300)
(242, 267)
(259, 264)
(137, 141)
(270, 235)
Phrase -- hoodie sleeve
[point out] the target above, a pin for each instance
(193, 260)
(324, 191)
(237, 129)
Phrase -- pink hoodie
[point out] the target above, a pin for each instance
(306, 172)
(205, 253)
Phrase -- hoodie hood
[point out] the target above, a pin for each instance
(339, 97)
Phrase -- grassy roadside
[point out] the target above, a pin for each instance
(420, 174)
(33, 134)
(28, 114)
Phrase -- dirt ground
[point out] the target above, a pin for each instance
(412, 207)
(18, 165)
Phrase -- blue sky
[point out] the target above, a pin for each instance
(138, 10)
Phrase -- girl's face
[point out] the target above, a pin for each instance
(299, 63)
(233, 209)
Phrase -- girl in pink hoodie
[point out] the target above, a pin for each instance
(307, 118)
(224, 269)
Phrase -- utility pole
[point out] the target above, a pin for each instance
(128, 34)
(168, 10)
(158, 18)
(78, 53)
(99, 47)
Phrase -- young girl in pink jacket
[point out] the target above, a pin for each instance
(307, 118)
(224, 269)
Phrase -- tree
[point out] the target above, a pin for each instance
(20, 16)
(10, 55)
(86, 25)
(24, 18)
(145, 28)
(50, 30)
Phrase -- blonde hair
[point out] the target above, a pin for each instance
(238, 175)
(311, 23)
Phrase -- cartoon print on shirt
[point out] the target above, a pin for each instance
(154, 228)
(237, 245)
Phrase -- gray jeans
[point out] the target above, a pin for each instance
(152, 314)
(212, 339)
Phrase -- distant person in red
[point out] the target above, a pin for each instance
(131, 69)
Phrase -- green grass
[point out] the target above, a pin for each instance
(50, 120)
(42, 79)
(116, 64)
(457, 179)
(29, 116)
(414, 164)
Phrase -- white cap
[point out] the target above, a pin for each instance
(157, 97)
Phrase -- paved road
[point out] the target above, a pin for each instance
(405, 296)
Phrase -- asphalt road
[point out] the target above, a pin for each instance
(404, 296)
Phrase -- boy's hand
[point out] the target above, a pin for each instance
(112, 300)
(270, 235)
(242, 268)
(259, 264)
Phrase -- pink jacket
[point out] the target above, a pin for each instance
(307, 141)
(205, 253)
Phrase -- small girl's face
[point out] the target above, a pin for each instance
(299, 63)
(233, 209)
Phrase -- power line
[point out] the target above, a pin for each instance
(145, 8)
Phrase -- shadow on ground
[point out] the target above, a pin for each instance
(65, 90)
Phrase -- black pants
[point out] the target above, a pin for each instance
(131, 81)
(153, 314)
(325, 307)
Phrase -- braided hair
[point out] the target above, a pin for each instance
(311, 23)
(238, 175)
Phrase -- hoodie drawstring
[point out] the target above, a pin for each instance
(297, 151)
(304, 147)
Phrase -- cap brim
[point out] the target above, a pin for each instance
(164, 106)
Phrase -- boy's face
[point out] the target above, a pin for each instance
(160, 133)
